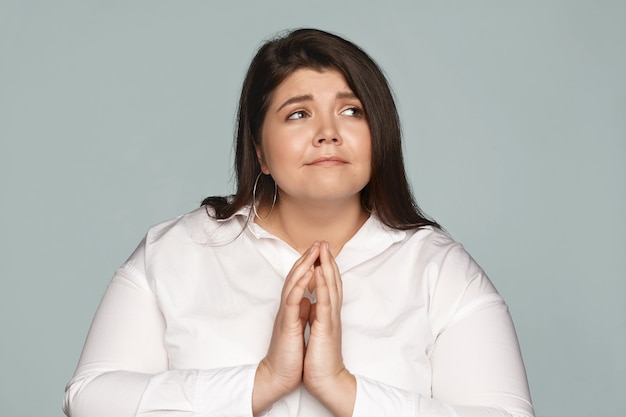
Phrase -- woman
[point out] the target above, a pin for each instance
(318, 289)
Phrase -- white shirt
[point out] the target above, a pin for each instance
(186, 320)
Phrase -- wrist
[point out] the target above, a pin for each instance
(337, 393)
(269, 387)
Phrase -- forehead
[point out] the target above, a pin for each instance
(309, 81)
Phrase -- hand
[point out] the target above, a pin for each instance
(280, 372)
(325, 375)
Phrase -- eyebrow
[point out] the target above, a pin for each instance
(309, 97)
(346, 94)
(296, 99)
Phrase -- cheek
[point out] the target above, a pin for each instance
(367, 170)
(279, 155)
(366, 150)
(284, 147)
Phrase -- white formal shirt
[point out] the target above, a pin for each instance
(186, 320)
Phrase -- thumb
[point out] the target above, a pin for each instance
(312, 313)
(305, 311)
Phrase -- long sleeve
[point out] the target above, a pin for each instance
(186, 320)
(477, 371)
(439, 339)
(123, 370)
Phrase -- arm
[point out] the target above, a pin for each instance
(123, 349)
(475, 361)
(477, 371)
(476, 364)
(123, 370)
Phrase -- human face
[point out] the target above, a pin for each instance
(315, 140)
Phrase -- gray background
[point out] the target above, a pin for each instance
(118, 115)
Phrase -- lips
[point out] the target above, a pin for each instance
(328, 161)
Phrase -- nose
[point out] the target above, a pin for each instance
(333, 140)
(327, 132)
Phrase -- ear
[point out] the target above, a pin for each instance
(259, 155)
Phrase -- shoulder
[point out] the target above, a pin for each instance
(423, 248)
(198, 227)
(422, 245)
(436, 246)
(457, 284)
(439, 251)
(174, 243)
(446, 264)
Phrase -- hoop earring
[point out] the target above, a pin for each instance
(256, 214)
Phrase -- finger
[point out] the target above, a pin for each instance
(338, 279)
(323, 305)
(289, 316)
(296, 293)
(305, 311)
(300, 267)
(331, 274)
(307, 260)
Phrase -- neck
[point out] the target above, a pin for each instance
(302, 223)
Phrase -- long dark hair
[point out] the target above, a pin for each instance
(388, 193)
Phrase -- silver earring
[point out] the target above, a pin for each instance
(256, 182)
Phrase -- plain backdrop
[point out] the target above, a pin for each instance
(116, 115)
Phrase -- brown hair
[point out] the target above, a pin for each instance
(388, 193)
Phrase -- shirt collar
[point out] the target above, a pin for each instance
(243, 211)
(373, 238)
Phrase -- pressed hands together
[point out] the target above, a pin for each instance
(319, 363)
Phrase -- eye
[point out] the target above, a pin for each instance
(353, 112)
(300, 114)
